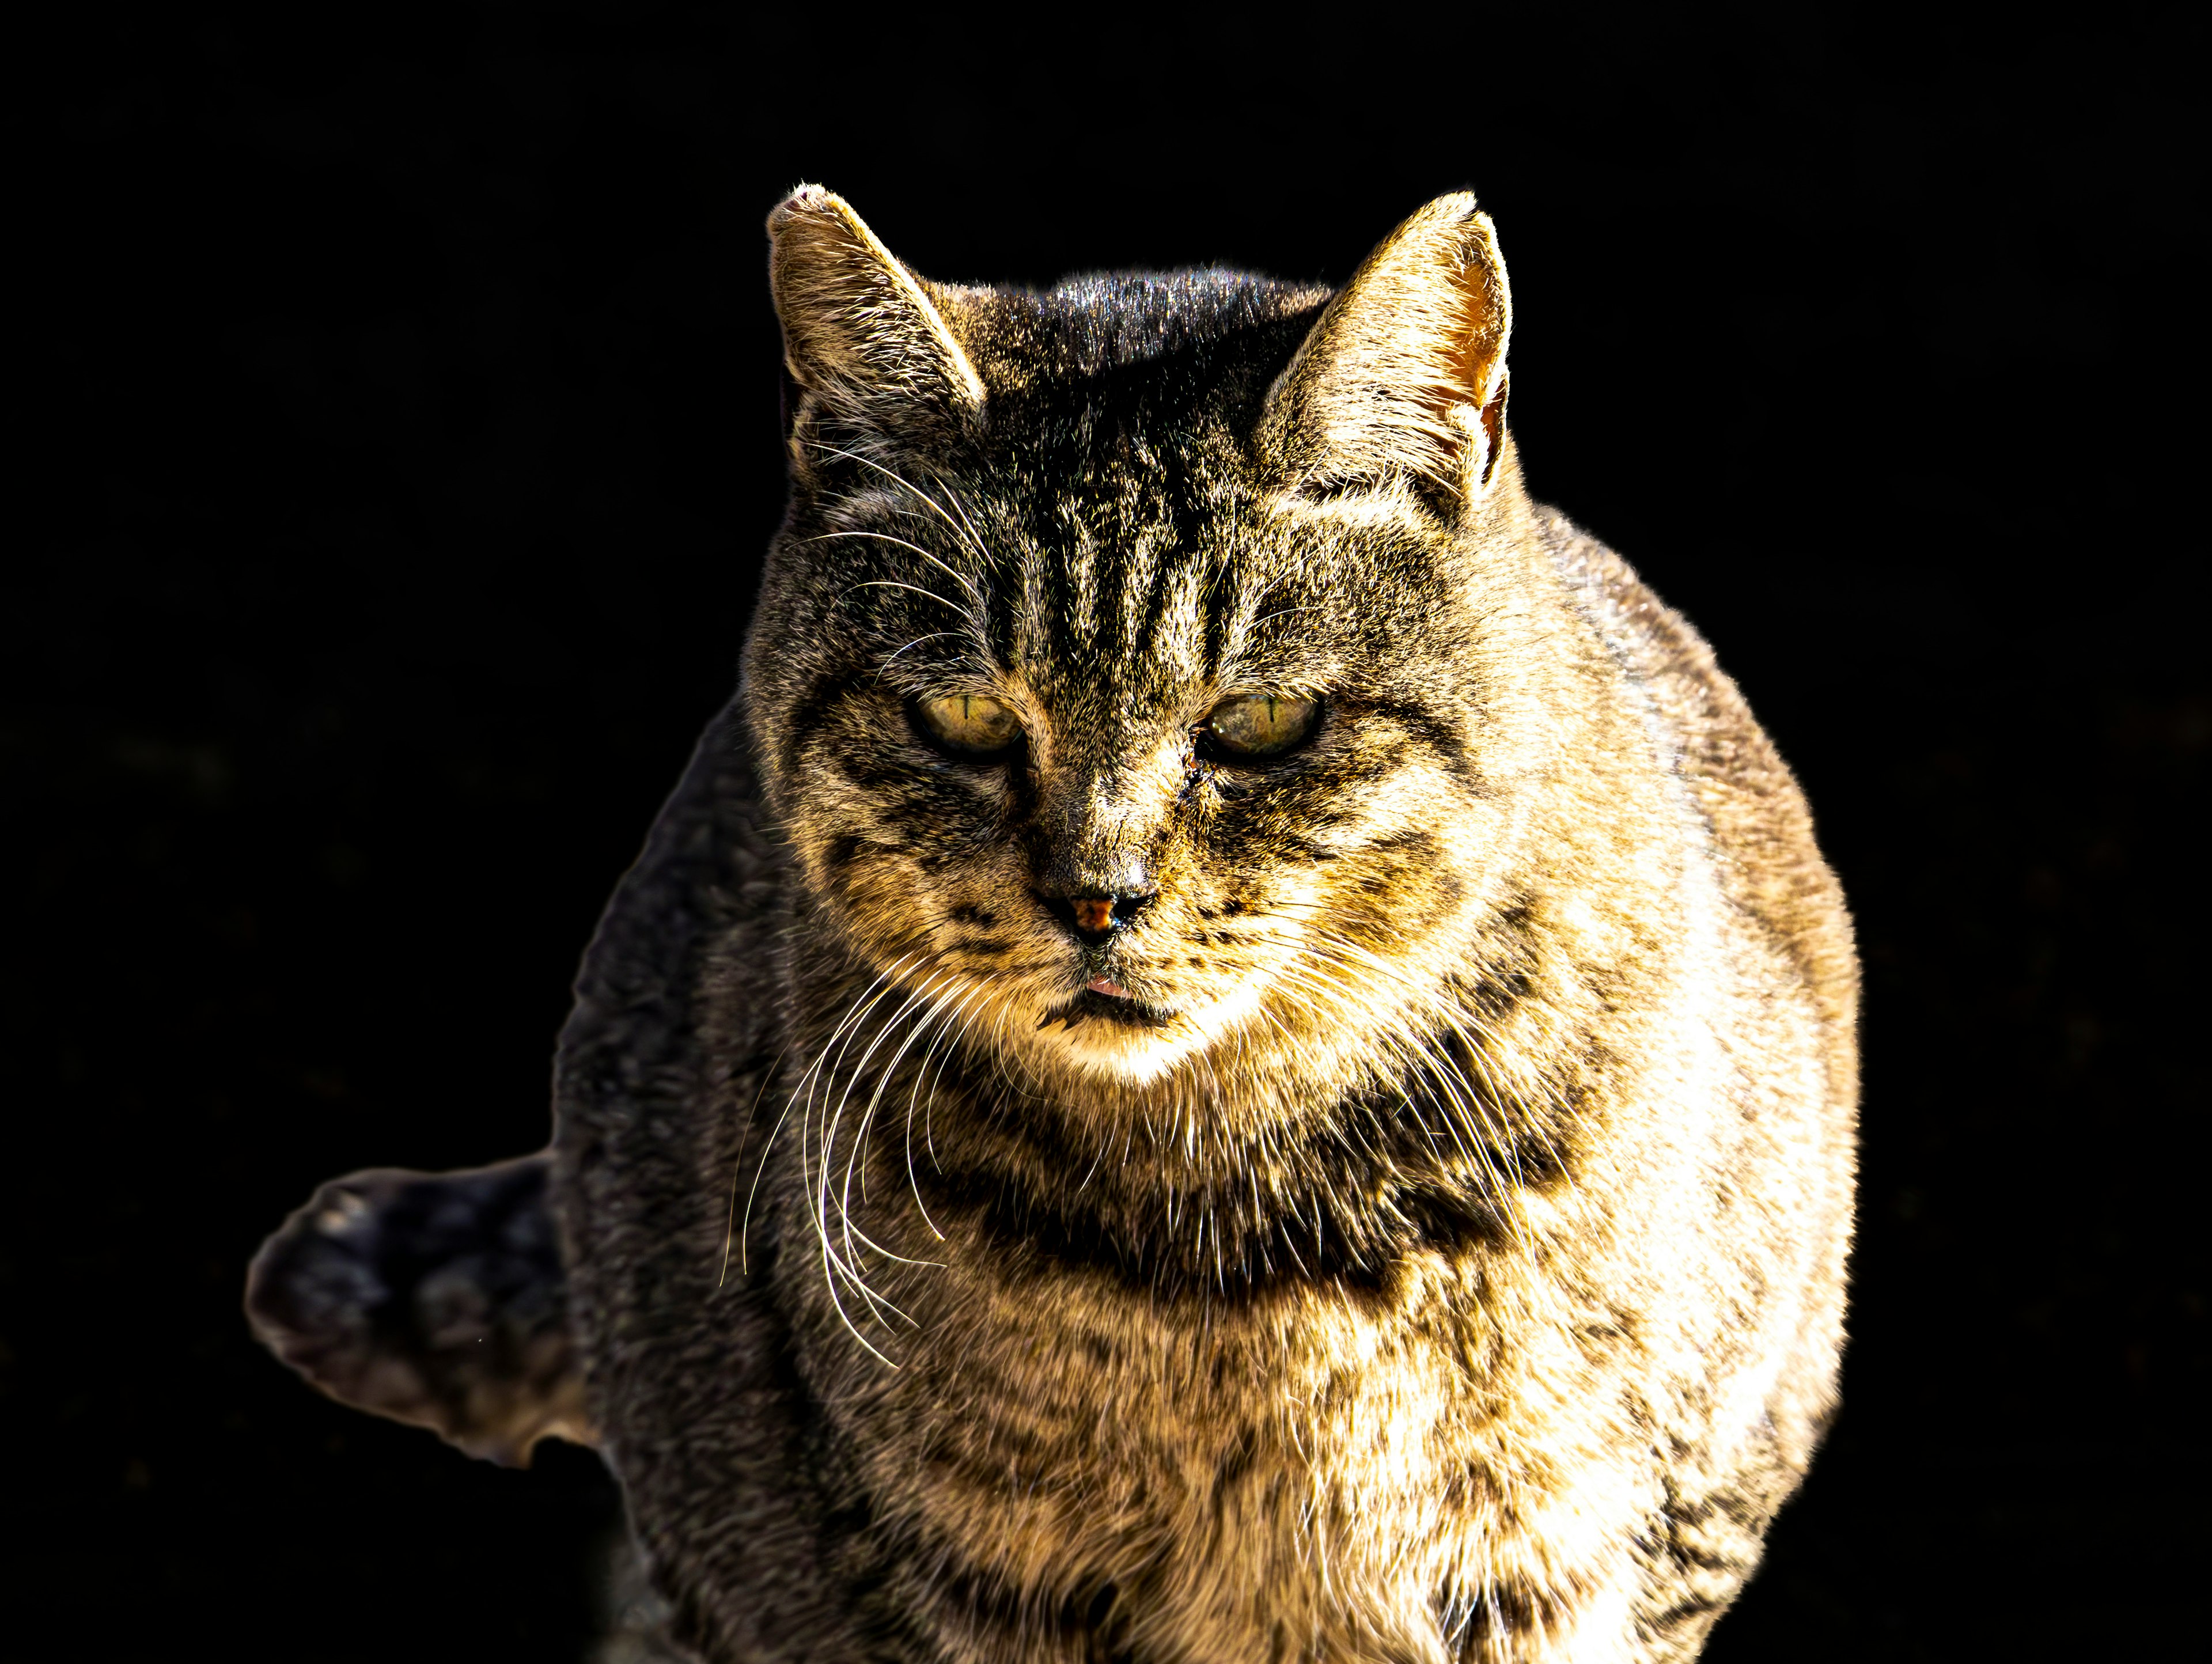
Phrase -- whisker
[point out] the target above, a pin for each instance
(1482, 1139)
(934, 635)
(966, 535)
(736, 1156)
(853, 1013)
(834, 1263)
(977, 995)
(975, 592)
(892, 583)
(860, 1136)
(1465, 1106)
(974, 538)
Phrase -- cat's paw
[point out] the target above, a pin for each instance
(437, 1299)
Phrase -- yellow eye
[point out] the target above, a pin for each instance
(974, 724)
(1261, 725)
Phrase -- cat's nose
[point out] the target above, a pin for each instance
(1093, 916)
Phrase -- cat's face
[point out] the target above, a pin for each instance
(1105, 743)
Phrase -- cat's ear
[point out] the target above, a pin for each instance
(1403, 376)
(862, 341)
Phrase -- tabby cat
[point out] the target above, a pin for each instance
(1235, 1048)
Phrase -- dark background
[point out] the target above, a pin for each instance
(395, 440)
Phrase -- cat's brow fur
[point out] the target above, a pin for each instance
(1431, 1246)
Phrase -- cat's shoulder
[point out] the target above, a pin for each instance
(1752, 807)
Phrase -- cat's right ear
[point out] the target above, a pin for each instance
(864, 345)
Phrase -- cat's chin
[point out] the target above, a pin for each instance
(1133, 1042)
(1130, 1056)
(1104, 1030)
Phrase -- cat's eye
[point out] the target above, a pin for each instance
(972, 725)
(1259, 725)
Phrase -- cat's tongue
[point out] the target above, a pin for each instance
(1107, 986)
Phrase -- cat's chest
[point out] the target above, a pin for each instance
(1213, 1457)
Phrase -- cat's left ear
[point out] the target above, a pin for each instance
(1403, 376)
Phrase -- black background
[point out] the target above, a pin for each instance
(395, 441)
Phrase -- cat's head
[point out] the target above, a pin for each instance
(1142, 672)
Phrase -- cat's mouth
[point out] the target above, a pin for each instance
(1103, 998)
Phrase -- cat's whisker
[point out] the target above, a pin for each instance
(933, 1019)
(933, 636)
(1466, 1117)
(850, 1261)
(930, 1023)
(847, 1028)
(965, 533)
(853, 1329)
(857, 1245)
(914, 998)
(973, 538)
(759, 1169)
(975, 593)
(976, 999)
(1001, 1054)
(912, 589)
(1465, 1105)
(737, 1159)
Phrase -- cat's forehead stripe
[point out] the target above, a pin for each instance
(1130, 600)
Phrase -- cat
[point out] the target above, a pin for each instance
(1235, 1047)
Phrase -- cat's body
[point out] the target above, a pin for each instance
(1239, 1049)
